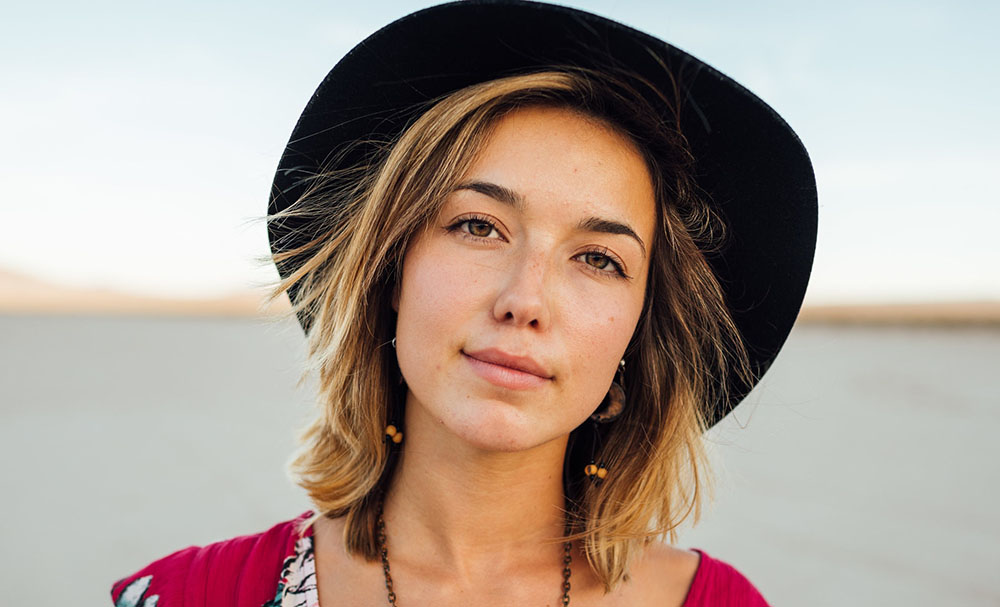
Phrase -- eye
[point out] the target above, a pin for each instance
(601, 262)
(477, 227)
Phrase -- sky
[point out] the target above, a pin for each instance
(138, 139)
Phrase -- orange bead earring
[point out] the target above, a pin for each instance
(613, 407)
(393, 434)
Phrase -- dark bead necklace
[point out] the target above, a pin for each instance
(567, 560)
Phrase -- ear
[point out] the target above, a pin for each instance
(395, 298)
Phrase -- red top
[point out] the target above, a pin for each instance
(245, 572)
(717, 583)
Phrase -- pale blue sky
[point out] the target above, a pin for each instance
(138, 139)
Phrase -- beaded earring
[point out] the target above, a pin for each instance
(597, 472)
(392, 433)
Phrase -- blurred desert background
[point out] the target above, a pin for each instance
(863, 470)
(149, 400)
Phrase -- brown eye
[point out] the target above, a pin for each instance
(598, 260)
(603, 264)
(482, 229)
(477, 228)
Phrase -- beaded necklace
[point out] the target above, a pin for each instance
(567, 560)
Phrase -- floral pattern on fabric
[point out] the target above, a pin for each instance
(297, 586)
(134, 594)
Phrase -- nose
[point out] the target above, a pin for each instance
(523, 299)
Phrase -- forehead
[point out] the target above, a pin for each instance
(579, 136)
(562, 159)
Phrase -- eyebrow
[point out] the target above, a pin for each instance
(511, 198)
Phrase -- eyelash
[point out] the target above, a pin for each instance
(619, 271)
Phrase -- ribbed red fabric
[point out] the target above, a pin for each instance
(241, 572)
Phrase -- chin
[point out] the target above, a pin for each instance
(487, 423)
(498, 427)
(500, 443)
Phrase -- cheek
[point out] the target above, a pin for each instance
(437, 294)
(603, 321)
(599, 333)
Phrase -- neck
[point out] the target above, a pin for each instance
(469, 509)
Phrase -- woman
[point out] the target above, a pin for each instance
(536, 254)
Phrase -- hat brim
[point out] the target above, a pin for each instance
(753, 168)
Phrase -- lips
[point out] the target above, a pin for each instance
(518, 363)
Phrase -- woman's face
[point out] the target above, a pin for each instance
(537, 261)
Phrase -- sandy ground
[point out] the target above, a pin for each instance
(864, 471)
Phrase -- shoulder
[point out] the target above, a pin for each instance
(240, 571)
(718, 583)
(663, 575)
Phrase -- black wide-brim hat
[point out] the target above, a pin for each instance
(749, 163)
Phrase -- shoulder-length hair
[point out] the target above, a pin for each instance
(683, 347)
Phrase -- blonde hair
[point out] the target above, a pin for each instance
(684, 346)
